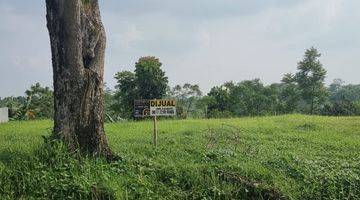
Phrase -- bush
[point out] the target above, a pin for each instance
(341, 108)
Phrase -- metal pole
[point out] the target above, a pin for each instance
(155, 131)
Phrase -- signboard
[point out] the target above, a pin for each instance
(142, 108)
(4, 115)
(163, 107)
(154, 108)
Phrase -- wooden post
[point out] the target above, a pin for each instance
(155, 131)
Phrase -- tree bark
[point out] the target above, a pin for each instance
(77, 38)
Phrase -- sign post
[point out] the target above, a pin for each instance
(161, 107)
(157, 107)
(155, 131)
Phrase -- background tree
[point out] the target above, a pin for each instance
(339, 91)
(202, 105)
(310, 79)
(219, 101)
(272, 97)
(289, 95)
(39, 102)
(15, 105)
(335, 86)
(343, 99)
(187, 97)
(341, 108)
(147, 82)
(109, 113)
(126, 93)
(150, 78)
(77, 38)
(251, 98)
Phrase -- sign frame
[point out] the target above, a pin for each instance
(142, 108)
(154, 108)
(163, 107)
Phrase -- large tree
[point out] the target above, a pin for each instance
(78, 40)
(126, 93)
(289, 97)
(39, 102)
(150, 78)
(147, 82)
(219, 101)
(310, 79)
(187, 96)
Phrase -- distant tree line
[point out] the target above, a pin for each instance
(302, 92)
(36, 104)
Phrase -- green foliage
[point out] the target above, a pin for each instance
(15, 105)
(220, 98)
(247, 98)
(289, 94)
(150, 78)
(37, 104)
(125, 94)
(148, 82)
(290, 157)
(40, 102)
(310, 79)
(109, 103)
(338, 91)
(187, 97)
(257, 98)
(341, 108)
(215, 113)
(303, 92)
(342, 100)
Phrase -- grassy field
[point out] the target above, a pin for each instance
(282, 157)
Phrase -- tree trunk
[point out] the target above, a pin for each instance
(312, 101)
(78, 40)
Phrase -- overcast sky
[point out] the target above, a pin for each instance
(206, 42)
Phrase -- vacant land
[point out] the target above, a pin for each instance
(283, 157)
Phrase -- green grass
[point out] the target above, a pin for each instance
(290, 157)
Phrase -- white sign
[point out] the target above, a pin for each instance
(163, 107)
(4, 113)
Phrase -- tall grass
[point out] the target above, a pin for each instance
(284, 157)
(53, 173)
